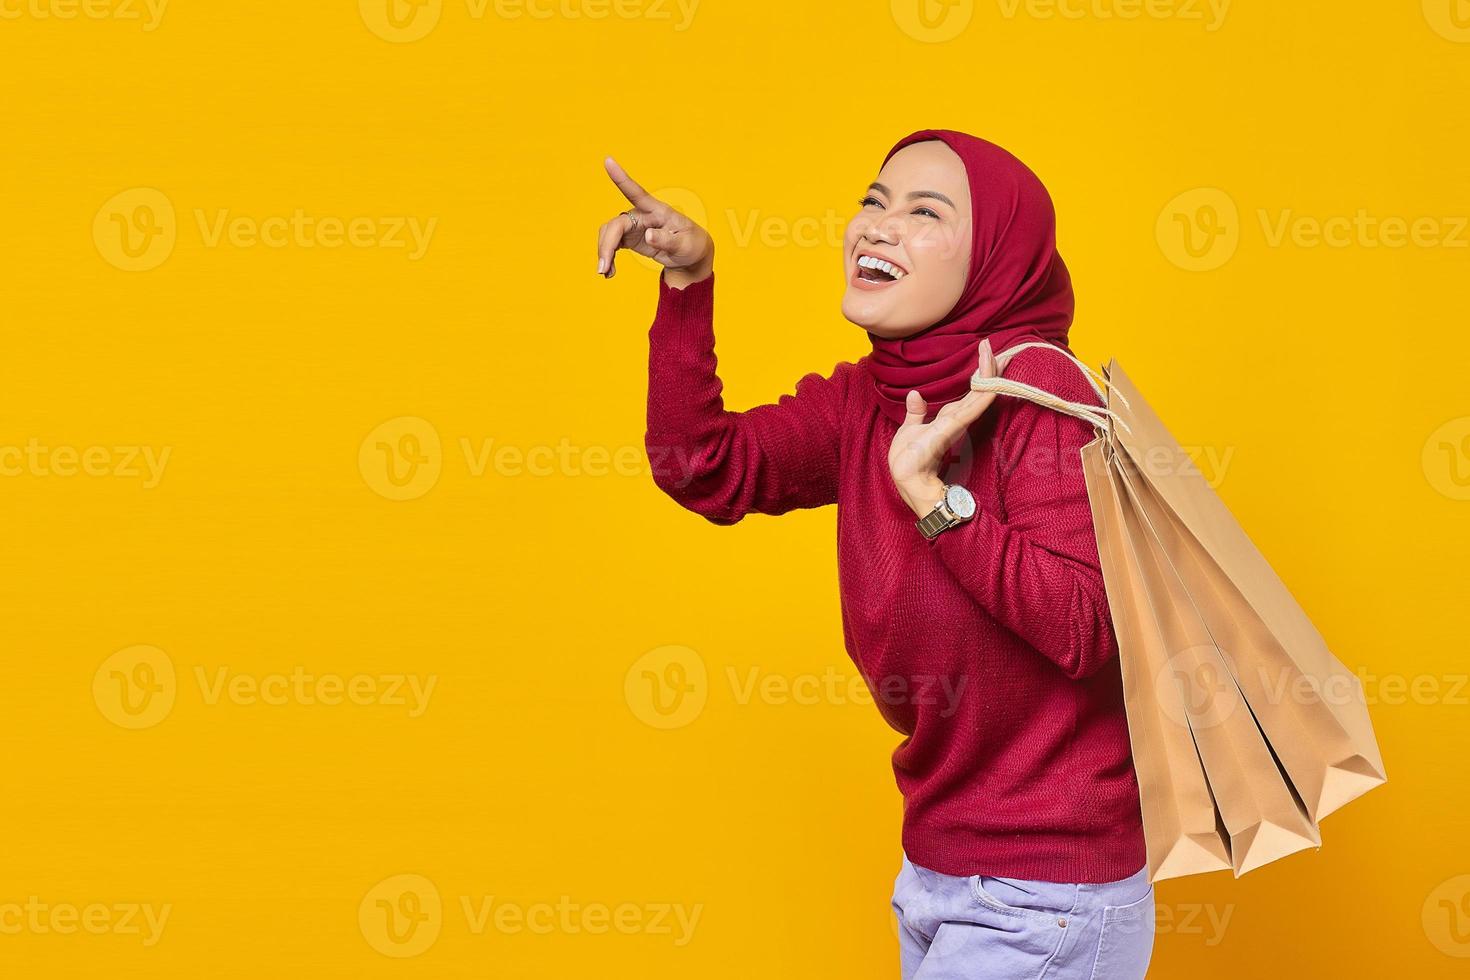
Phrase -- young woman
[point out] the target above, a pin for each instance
(972, 598)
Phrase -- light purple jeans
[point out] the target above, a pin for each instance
(953, 928)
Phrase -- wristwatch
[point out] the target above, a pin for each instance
(957, 507)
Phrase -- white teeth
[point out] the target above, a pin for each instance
(868, 262)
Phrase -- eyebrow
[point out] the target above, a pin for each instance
(875, 186)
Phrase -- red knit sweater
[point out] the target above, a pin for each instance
(991, 648)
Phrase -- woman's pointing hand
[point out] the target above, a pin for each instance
(652, 228)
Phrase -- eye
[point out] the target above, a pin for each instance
(870, 199)
(927, 211)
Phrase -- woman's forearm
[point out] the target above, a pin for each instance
(723, 464)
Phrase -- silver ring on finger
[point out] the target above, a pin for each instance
(634, 218)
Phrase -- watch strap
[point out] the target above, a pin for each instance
(936, 520)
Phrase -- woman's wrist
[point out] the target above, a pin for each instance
(922, 494)
(690, 274)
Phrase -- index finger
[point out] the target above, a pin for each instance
(635, 194)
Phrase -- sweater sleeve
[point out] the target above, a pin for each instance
(1035, 567)
(723, 464)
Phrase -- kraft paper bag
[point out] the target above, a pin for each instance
(1183, 832)
(1237, 755)
(1311, 707)
(1257, 804)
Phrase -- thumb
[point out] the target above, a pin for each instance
(914, 408)
(663, 239)
(988, 367)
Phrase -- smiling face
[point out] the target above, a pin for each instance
(907, 251)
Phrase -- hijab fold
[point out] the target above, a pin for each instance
(1017, 285)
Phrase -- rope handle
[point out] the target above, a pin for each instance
(1095, 415)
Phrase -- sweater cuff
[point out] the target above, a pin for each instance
(684, 311)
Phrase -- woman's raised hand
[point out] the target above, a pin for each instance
(654, 229)
(919, 446)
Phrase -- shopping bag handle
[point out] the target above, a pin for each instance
(1096, 415)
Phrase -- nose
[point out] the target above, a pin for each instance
(883, 230)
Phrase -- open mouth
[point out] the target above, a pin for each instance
(873, 272)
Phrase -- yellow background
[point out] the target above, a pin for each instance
(1332, 378)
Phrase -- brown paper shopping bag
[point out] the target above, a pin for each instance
(1183, 832)
(1245, 729)
(1257, 804)
(1310, 706)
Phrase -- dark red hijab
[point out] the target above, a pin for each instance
(1017, 285)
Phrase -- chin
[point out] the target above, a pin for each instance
(875, 317)
(862, 311)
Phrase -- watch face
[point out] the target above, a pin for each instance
(959, 502)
